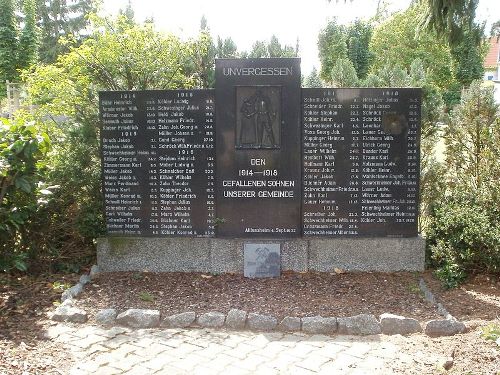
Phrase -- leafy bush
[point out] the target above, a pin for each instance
(463, 230)
(22, 150)
(464, 237)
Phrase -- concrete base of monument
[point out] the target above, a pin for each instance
(216, 255)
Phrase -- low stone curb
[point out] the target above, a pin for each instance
(448, 326)
(363, 324)
(444, 327)
(395, 324)
(139, 318)
(358, 325)
(66, 311)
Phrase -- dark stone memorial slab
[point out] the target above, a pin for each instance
(258, 184)
(361, 162)
(158, 162)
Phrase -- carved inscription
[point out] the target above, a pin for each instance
(258, 187)
(158, 162)
(360, 162)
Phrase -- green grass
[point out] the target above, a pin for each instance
(491, 332)
(145, 296)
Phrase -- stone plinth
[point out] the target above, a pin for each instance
(216, 255)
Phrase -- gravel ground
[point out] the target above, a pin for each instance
(293, 294)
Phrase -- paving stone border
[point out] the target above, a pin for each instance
(448, 326)
(363, 324)
(66, 311)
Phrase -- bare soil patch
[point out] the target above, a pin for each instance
(476, 299)
(24, 303)
(292, 294)
(471, 354)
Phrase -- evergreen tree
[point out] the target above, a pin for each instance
(271, 49)
(58, 18)
(343, 74)
(313, 80)
(259, 49)
(358, 39)
(274, 47)
(495, 29)
(332, 45)
(8, 44)
(468, 62)
(207, 57)
(472, 138)
(226, 48)
(394, 76)
(28, 41)
(449, 17)
(128, 12)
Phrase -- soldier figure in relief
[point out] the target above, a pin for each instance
(259, 108)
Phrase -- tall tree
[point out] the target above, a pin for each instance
(58, 18)
(358, 39)
(206, 68)
(128, 12)
(313, 80)
(28, 40)
(8, 44)
(468, 60)
(395, 42)
(351, 42)
(472, 137)
(448, 17)
(332, 45)
(226, 48)
(343, 74)
(495, 29)
(275, 49)
(272, 49)
(259, 49)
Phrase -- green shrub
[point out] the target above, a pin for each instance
(463, 229)
(22, 150)
(464, 237)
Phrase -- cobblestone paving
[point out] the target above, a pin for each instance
(200, 351)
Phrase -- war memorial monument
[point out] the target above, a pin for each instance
(261, 172)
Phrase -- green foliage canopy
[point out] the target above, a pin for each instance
(58, 18)
(351, 42)
(22, 150)
(8, 44)
(396, 42)
(464, 233)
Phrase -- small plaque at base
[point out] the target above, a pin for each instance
(262, 260)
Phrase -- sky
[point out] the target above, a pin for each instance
(251, 20)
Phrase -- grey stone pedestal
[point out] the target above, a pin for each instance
(226, 255)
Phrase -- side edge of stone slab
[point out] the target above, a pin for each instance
(362, 324)
(319, 325)
(444, 327)
(139, 318)
(212, 319)
(181, 254)
(260, 322)
(391, 324)
(226, 255)
(367, 254)
(181, 320)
